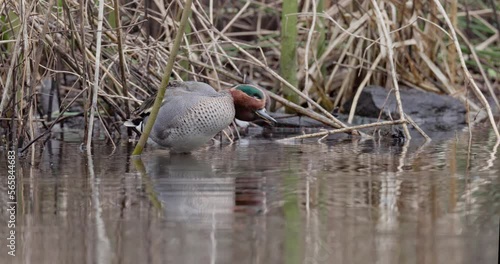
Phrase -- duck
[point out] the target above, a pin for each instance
(192, 113)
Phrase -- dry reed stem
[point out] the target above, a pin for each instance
(53, 123)
(229, 24)
(29, 74)
(39, 50)
(337, 66)
(451, 50)
(121, 55)
(345, 129)
(95, 87)
(437, 72)
(285, 82)
(491, 39)
(346, 32)
(106, 131)
(206, 49)
(165, 79)
(207, 25)
(442, 78)
(480, 66)
(424, 135)
(70, 35)
(302, 111)
(361, 86)
(485, 11)
(476, 90)
(26, 42)
(308, 48)
(6, 89)
(390, 53)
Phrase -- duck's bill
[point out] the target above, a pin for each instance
(264, 115)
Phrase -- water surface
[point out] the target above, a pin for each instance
(259, 201)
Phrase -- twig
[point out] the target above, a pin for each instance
(410, 120)
(346, 129)
(302, 111)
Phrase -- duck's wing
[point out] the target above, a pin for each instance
(178, 89)
(179, 98)
(200, 88)
(173, 106)
(145, 108)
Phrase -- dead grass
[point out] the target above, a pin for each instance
(340, 49)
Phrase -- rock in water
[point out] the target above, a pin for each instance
(433, 112)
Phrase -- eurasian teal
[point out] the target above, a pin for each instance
(192, 113)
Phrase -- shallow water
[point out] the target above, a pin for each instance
(259, 201)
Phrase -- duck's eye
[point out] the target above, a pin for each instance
(256, 95)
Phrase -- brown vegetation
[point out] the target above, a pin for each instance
(340, 49)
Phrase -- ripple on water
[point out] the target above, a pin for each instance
(346, 201)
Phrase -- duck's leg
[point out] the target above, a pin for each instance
(237, 130)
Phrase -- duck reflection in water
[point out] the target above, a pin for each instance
(201, 204)
(190, 190)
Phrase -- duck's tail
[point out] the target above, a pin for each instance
(138, 123)
(141, 114)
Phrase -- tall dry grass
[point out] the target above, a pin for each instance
(340, 49)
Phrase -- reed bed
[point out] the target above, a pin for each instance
(339, 47)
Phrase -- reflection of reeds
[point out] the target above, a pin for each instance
(338, 50)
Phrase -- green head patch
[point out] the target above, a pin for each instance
(251, 91)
